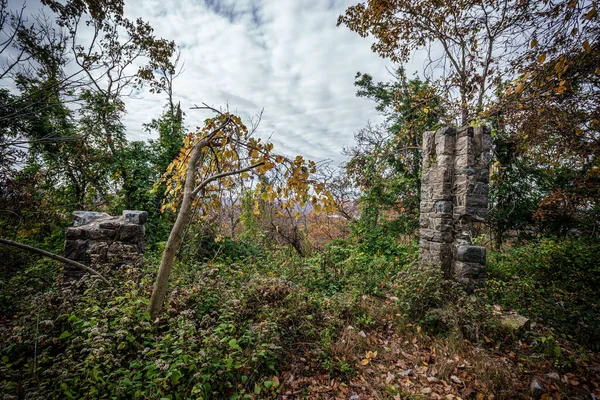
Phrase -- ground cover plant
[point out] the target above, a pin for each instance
(340, 323)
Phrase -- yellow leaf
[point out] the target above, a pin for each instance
(586, 46)
(371, 354)
(256, 210)
(541, 58)
(365, 361)
(520, 88)
(534, 43)
(591, 14)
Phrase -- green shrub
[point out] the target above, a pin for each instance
(554, 281)
(569, 263)
(441, 305)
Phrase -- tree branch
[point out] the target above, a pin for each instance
(224, 174)
(45, 253)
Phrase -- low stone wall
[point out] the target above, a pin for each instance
(99, 239)
(454, 197)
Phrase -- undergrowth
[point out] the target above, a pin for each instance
(232, 324)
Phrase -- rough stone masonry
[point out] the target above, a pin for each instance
(97, 238)
(454, 197)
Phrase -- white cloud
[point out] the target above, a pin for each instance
(285, 56)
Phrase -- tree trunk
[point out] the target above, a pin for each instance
(183, 218)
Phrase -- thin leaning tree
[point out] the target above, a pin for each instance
(208, 162)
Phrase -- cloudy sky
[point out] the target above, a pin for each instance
(286, 56)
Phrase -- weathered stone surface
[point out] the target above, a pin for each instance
(443, 206)
(468, 273)
(514, 322)
(98, 238)
(474, 254)
(537, 388)
(85, 217)
(454, 196)
(136, 217)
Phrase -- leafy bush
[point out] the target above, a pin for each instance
(554, 281)
(569, 263)
(441, 305)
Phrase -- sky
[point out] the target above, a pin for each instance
(284, 56)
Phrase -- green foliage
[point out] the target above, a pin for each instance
(514, 189)
(226, 330)
(553, 281)
(386, 161)
(232, 323)
(171, 133)
(568, 263)
(442, 306)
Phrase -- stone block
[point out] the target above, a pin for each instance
(98, 251)
(446, 131)
(443, 206)
(131, 233)
(471, 254)
(101, 234)
(136, 217)
(85, 217)
(479, 188)
(74, 233)
(464, 131)
(99, 238)
(444, 145)
(454, 198)
(486, 139)
(77, 250)
(476, 201)
(118, 251)
(445, 162)
(434, 235)
(445, 224)
(469, 271)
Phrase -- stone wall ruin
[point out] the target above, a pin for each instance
(97, 238)
(454, 198)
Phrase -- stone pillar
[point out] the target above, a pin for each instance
(100, 239)
(454, 197)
